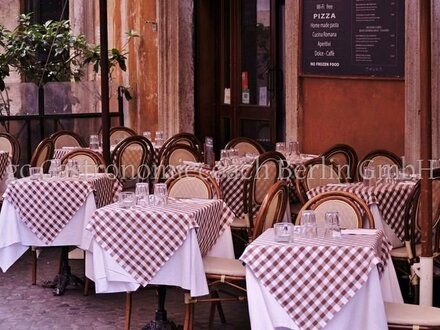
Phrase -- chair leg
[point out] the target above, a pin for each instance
(189, 312)
(214, 304)
(34, 265)
(128, 303)
(86, 286)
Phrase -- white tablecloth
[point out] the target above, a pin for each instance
(16, 237)
(183, 269)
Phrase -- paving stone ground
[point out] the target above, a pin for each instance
(24, 306)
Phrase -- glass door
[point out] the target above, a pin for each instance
(248, 70)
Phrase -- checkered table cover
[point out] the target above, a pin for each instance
(312, 279)
(46, 206)
(142, 239)
(389, 197)
(5, 160)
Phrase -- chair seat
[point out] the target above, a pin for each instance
(407, 314)
(240, 222)
(402, 252)
(223, 266)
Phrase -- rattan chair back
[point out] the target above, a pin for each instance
(245, 145)
(9, 143)
(67, 139)
(345, 159)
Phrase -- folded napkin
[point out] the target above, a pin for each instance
(358, 231)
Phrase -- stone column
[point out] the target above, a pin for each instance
(176, 66)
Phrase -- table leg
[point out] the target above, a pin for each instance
(161, 322)
(65, 277)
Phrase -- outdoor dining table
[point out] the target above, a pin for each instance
(386, 201)
(315, 283)
(127, 248)
(50, 212)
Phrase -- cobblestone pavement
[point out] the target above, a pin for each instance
(24, 306)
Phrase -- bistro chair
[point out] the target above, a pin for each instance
(353, 210)
(67, 139)
(42, 154)
(176, 155)
(88, 161)
(345, 158)
(407, 256)
(377, 159)
(9, 143)
(188, 139)
(245, 145)
(314, 173)
(409, 316)
(193, 184)
(223, 272)
(266, 170)
(132, 160)
(119, 133)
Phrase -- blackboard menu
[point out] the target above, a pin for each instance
(353, 37)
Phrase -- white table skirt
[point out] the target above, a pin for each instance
(364, 311)
(183, 269)
(16, 237)
(380, 224)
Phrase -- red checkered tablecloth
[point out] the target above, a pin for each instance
(312, 279)
(389, 197)
(5, 160)
(142, 239)
(46, 206)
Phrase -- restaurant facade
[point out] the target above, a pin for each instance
(320, 72)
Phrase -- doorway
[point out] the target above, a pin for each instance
(238, 76)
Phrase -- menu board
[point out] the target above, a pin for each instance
(353, 37)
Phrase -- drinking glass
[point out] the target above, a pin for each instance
(159, 138)
(127, 199)
(283, 231)
(141, 191)
(308, 224)
(55, 168)
(147, 134)
(293, 149)
(72, 169)
(224, 157)
(369, 176)
(385, 174)
(332, 228)
(160, 194)
(94, 142)
(35, 173)
(280, 147)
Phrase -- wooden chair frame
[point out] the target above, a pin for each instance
(144, 173)
(121, 129)
(165, 161)
(93, 155)
(302, 173)
(244, 140)
(180, 138)
(45, 144)
(350, 155)
(15, 147)
(358, 204)
(57, 135)
(396, 160)
(278, 194)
